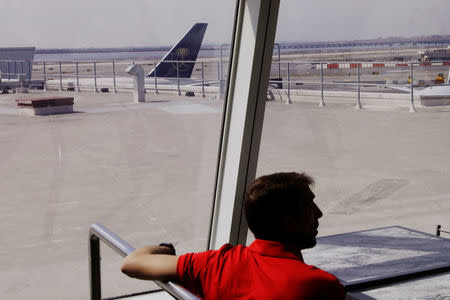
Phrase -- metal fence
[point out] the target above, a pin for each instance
(209, 75)
(355, 76)
(92, 75)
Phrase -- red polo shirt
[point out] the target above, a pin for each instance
(264, 270)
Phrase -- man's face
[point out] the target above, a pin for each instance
(304, 224)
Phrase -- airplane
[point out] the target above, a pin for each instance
(185, 51)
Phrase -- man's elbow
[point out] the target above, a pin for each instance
(136, 269)
(132, 268)
(150, 267)
(128, 268)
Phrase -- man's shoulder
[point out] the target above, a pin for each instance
(227, 247)
(323, 283)
(225, 250)
(315, 273)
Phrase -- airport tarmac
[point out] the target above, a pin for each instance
(146, 171)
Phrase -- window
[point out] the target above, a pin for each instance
(379, 165)
(144, 170)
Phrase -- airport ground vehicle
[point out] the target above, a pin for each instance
(440, 79)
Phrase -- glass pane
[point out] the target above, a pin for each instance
(144, 170)
(376, 166)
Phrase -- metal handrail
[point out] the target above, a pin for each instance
(97, 233)
(439, 230)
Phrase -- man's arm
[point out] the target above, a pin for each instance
(151, 263)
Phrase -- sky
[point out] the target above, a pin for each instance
(140, 23)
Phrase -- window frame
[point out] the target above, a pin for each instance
(245, 102)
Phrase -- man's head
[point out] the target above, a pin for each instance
(280, 207)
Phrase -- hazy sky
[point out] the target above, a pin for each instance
(120, 23)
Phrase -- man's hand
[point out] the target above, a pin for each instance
(170, 246)
(151, 263)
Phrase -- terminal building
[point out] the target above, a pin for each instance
(16, 60)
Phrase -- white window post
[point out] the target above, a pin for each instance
(251, 60)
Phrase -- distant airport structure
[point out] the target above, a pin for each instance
(16, 60)
(436, 40)
(436, 54)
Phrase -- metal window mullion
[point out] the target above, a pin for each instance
(251, 62)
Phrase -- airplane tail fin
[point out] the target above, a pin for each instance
(185, 50)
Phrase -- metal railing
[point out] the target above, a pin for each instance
(286, 77)
(356, 66)
(97, 233)
(101, 70)
(288, 73)
(439, 230)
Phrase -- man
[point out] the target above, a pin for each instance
(282, 215)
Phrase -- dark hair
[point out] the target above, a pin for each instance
(271, 198)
